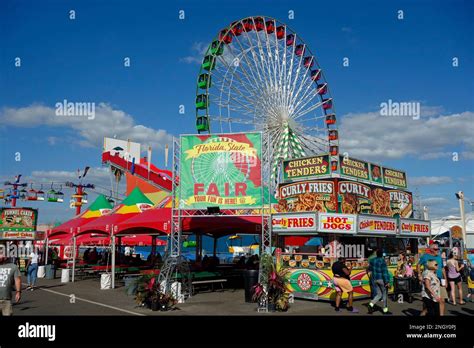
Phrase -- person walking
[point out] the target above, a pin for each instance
(32, 270)
(431, 289)
(454, 278)
(373, 288)
(9, 275)
(433, 254)
(342, 283)
(379, 273)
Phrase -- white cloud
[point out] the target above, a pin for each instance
(198, 50)
(430, 201)
(107, 122)
(372, 136)
(429, 180)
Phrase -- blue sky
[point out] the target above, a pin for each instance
(82, 60)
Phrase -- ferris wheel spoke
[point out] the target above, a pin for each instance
(303, 110)
(249, 48)
(237, 74)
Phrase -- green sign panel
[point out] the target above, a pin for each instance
(18, 219)
(353, 168)
(223, 170)
(308, 167)
(394, 177)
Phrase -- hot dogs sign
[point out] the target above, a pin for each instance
(221, 170)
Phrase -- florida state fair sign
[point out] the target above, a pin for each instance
(303, 223)
(221, 170)
(369, 224)
(337, 223)
(415, 228)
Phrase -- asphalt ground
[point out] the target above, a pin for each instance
(84, 297)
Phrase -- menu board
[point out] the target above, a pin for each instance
(18, 219)
(394, 177)
(337, 223)
(358, 198)
(311, 195)
(353, 168)
(370, 224)
(415, 228)
(307, 167)
(303, 223)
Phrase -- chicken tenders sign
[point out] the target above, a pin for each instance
(221, 170)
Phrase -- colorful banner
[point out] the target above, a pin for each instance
(305, 222)
(308, 167)
(337, 223)
(369, 224)
(394, 177)
(353, 168)
(221, 170)
(415, 228)
(18, 219)
(358, 198)
(307, 196)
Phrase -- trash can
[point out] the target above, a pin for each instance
(64, 275)
(41, 272)
(105, 281)
(250, 279)
(49, 272)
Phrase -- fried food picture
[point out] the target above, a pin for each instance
(380, 202)
(349, 204)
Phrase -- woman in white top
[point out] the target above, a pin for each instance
(32, 269)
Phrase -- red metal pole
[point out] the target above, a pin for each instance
(79, 199)
(15, 192)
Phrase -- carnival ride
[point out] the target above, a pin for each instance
(258, 74)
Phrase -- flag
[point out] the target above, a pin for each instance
(166, 155)
(85, 171)
(149, 159)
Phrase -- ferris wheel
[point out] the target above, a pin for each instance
(258, 74)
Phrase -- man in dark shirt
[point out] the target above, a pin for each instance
(342, 283)
(9, 275)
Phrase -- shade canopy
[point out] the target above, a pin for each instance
(135, 203)
(97, 209)
(150, 221)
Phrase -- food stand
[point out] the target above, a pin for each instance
(18, 225)
(354, 209)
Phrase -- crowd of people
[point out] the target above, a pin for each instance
(434, 274)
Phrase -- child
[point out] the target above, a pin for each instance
(431, 289)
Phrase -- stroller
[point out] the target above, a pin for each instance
(406, 286)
